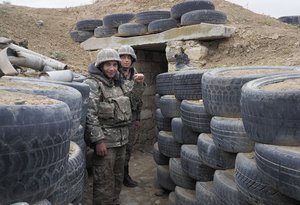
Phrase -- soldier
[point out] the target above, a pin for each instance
(108, 118)
(129, 73)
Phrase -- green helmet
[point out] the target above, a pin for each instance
(127, 50)
(107, 54)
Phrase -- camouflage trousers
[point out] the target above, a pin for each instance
(129, 145)
(108, 174)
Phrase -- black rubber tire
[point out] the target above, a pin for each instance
(179, 177)
(212, 156)
(229, 135)
(194, 116)
(83, 88)
(205, 193)
(272, 116)
(78, 138)
(164, 83)
(179, 9)
(72, 185)
(171, 199)
(115, 20)
(76, 173)
(221, 88)
(281, 166)
(225, 188)
(63, 93)
(80, 36)
(158, 157)
(203, 16)
(187, 84)
(102, 32)
(162, 123)
(252, 184)
(169, 106)
(146, 17)
(167, 144)
(183, 134)
(161, 25)
(132, 29)
(290, 19)
(192, 164)
(185, 196)
(34, 146)
(157, 100)
(164, 179)
(88, 24)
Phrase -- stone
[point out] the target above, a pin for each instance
(197, 53)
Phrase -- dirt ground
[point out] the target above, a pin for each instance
(147, 192)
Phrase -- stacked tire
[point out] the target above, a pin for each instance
(85, 29)
(270, 112)
(239, 180)
(240, 150)
(196, 12)
(180, 94)
(43, 135)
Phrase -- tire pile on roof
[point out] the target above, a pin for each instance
(42, 148)
(294, 20)
(229, 135)
(149, 22)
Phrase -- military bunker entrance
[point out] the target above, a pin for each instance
(155, 53)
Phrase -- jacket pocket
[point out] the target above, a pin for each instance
(106, 110)
(122, 108)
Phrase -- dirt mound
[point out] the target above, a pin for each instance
(259, 39)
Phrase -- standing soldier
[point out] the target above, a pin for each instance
(108, 118)
(129, 74)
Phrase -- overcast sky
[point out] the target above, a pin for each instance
(274, 8)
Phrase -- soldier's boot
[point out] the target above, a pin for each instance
(127, 179)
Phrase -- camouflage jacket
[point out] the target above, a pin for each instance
(109, 111)
(135, 95)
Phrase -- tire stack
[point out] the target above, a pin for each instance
(294, 20)
(161, 153)
(179, 97)
(221, 90)
(68, 160)
(111, 24)
(196, 12)
(85, 29)
(271, 116)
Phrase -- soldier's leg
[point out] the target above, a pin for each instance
(119, 172)
(128, 181)
(129, 145)
(103, 178)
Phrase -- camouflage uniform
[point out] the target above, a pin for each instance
(136, 107)
(108, 118)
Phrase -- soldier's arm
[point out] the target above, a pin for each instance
(93, 126)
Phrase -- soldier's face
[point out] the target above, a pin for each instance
(126, 61)
(110, 68)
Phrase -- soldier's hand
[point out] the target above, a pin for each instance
(139, 77)
(101, 149)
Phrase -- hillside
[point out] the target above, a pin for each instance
(259, 39)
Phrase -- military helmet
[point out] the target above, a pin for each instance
(127, 50)
(107, 54)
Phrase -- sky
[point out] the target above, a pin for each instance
(49, 3)
(274, 8)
